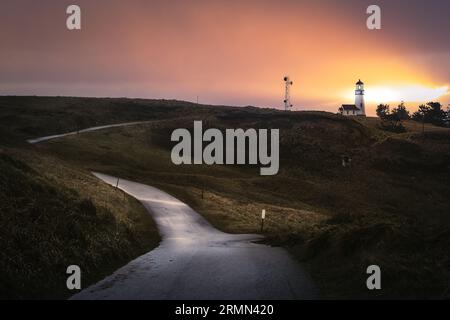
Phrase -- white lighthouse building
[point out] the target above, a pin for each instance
(359, 108)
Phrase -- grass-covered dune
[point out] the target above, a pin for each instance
(390, 207)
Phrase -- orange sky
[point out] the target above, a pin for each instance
(226, 52)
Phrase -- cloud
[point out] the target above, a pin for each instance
(407, 93)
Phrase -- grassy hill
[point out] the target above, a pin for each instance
(390, 207)
(54, 215)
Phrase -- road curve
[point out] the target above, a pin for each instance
(197, 261)
(46, 138)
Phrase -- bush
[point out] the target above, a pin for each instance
(392, 126)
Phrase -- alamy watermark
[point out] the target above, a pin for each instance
(236, 146)
(73, 21)
(374, 20)
(73, 282)
(373, 282)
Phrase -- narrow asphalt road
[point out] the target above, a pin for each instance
(46, 138)
(197, 261)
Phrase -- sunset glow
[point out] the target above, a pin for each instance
(228, 52)
(406, 93)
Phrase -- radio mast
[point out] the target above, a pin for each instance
(287, 98)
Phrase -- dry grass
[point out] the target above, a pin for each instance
(336, 221)
(240, 216)
(54, 215)
(390, 208)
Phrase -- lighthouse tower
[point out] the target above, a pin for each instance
(359, 99)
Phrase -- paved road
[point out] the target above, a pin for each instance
(42, 139)
(197, 261)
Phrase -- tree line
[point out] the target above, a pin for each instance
(431, 112)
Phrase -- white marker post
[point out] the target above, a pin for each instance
(263, 216)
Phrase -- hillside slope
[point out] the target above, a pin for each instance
(53, 216)
(390, 207)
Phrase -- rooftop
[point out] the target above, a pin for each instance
(349, 107)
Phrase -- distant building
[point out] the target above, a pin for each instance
(359, 108)
(447, 118)
(447, 121)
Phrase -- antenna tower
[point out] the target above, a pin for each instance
(287, 98)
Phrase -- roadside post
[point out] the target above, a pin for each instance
(117, 183)
(263, 217)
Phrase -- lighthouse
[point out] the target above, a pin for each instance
(359, 108)
(359, 98)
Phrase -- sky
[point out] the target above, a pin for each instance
(229, 52)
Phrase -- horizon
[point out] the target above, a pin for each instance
(229, 53)
(410, 107)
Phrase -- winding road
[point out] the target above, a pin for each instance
(55, 136)
(197, 261)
